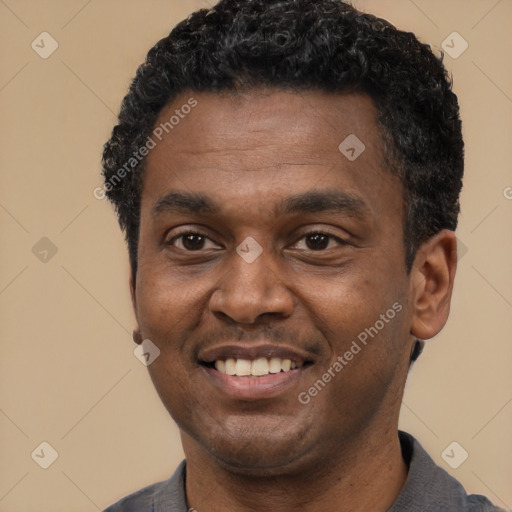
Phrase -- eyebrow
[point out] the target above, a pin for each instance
(324, 201)
(184, 202)
(306, 202)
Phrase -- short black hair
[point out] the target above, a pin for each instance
(299, 45)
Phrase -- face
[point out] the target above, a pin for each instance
(266, 252)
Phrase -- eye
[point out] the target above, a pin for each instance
(191, 241)
(320, 241)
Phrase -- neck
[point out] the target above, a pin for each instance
(367, 474)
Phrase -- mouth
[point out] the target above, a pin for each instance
(254, 372)
(257, 368)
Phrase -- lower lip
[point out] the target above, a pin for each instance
(253, 388)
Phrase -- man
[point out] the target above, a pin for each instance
(287, 174)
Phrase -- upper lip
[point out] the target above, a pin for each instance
(254, 351)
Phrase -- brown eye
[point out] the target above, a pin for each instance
(318, 241)
(191, 241)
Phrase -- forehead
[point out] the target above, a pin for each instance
(244, 145)
(299, 120)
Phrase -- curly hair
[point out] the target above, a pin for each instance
(299, 45)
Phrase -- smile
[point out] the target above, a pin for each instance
(253, 372)
(257, 368)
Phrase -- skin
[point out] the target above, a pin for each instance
(246, 153)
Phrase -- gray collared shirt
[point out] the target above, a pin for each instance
(428, 488)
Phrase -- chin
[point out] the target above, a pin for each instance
(257, 462)
(246, 448)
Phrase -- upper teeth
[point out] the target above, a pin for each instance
(256, 368)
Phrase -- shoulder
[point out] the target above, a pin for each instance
(429, 488)
(139, 501)
(166, 495)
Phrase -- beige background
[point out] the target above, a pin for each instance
(68, 373)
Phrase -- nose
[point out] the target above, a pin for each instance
(247, 291)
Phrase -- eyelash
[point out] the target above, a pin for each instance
(309, 233)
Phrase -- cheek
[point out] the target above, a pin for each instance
(363, 312)
(167, 314)
(364, 324)
(346, 301)
(164, 300)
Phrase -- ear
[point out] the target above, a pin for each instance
(432, 277)
(137, 336)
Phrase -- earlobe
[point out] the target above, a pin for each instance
(432, 279)
(137, 336)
